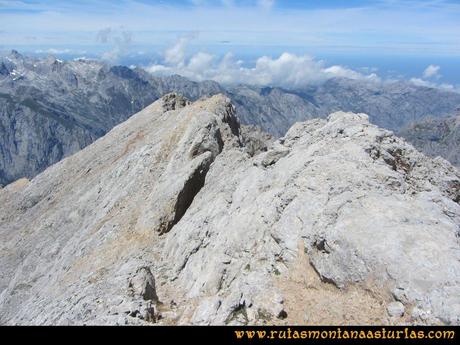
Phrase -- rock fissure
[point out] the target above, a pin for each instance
(191, 188)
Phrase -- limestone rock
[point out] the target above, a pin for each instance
(255, 140)
(363, 203)
(173, 101)
(395, 309)
(171, 206)
(143, 284)
(81, 238)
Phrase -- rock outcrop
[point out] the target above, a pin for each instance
(170, 219)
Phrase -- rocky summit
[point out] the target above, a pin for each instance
(50, 109)
(178, 216)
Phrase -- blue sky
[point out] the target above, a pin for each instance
(355, 30)
(428, 27)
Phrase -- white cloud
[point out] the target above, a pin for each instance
(176, 54)
(266, 4)
(53, 51)
(288, 70)
(421, 82)
(120, 41)
(339, 71)
(200, 62)
(431, 71)
(103, 35)
(425, 83)
(57, 51)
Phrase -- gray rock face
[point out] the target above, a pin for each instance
(142, 284)
(436, 137)
(169, 219)
(255, 140)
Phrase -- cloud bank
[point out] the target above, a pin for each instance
(120, 41)
(431, 71)
(288, 70)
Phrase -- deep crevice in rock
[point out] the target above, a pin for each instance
(191, 188)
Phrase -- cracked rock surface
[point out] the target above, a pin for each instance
(171, 219)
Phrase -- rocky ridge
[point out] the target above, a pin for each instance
(50, 109)
(171, 219)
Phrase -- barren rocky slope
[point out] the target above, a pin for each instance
(436, 137)
(169, 219)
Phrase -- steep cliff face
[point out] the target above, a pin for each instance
(174, 218)
(50, 109)
(32, 138)
(436, 137)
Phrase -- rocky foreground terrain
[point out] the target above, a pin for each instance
(50, 109)
(177, 216)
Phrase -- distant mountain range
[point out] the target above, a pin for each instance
(436, 137)
(50, 108)
(392, 105)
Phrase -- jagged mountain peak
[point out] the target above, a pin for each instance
(14, 54)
